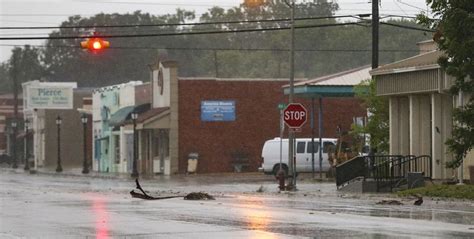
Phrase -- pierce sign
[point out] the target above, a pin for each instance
(295, 115)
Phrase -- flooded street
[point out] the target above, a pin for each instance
(49, 206)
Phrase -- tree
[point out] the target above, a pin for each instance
(263, 54)
(378, 123)
(5, 82)
(454, 26)
(125, 60)
(25, 64)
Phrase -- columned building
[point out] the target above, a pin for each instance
(420, 107)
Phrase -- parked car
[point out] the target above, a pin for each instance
(303, 149)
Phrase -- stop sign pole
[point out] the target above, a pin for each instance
(294, 116)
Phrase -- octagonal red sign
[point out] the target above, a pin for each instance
(295, 115)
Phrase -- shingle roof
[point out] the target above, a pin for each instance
(345, 78)
(426, 60)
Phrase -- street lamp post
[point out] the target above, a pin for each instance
(59, 168)
(85, 168)
(135, 170)
(27, 163)
(15, 161)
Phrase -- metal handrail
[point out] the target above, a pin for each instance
(351, 169)
(386, 170)
(389, 173)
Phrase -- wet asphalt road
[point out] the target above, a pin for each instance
(49, 206)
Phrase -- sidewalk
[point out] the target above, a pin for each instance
(75, 172)
(229, 178)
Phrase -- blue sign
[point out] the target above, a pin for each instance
(218, 110)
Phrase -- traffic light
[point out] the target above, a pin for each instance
(254, 3)
(95, 44)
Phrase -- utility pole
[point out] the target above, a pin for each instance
(291, 135)
(15, 105)
(375, 34)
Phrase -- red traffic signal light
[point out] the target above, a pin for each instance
(95, 44)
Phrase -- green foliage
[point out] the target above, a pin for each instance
(454, 25)
(445, 191)
(5, 81)
(378, 124)
(24, 64)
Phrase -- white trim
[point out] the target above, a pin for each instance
(406, 69)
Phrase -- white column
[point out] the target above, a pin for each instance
(425, 125)
(393, 125)
(415, 116)
(404, 125)
(441, 108)
(399, 125)
(420, 129)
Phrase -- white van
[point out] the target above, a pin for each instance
(271, 155)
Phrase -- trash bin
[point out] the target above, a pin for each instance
(192, 162)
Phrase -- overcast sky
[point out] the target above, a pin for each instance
(53, 12)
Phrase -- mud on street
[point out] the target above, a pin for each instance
(60, 206)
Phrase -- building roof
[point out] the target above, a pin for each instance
(335, 85)
(423, 61)
(345, 78)
(238, 79)
(150, 113)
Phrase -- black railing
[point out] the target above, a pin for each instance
(392, 172)
(386, 170)
(350, 170)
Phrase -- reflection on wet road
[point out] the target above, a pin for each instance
(54, 207)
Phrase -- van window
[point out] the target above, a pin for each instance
(316, 147)
(300, 147)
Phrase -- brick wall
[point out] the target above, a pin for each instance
(257, 120)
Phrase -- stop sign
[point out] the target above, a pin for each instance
(295, 115)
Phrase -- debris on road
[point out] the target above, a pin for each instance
(144, 195)
(389, 202)
(199, 196)
(261, 189)
(419, 201)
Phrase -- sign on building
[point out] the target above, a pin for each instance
(218, 110)
(48, 97)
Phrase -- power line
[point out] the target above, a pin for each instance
(221, 49)
(178, 24)
(186, 33)
(154, 3)
(407, 27)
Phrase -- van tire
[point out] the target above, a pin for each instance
(276, 168)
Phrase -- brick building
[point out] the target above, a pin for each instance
(176, 125)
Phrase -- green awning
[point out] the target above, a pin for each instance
(316, 91)
(120, 116)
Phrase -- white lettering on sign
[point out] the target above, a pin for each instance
(295, 115)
